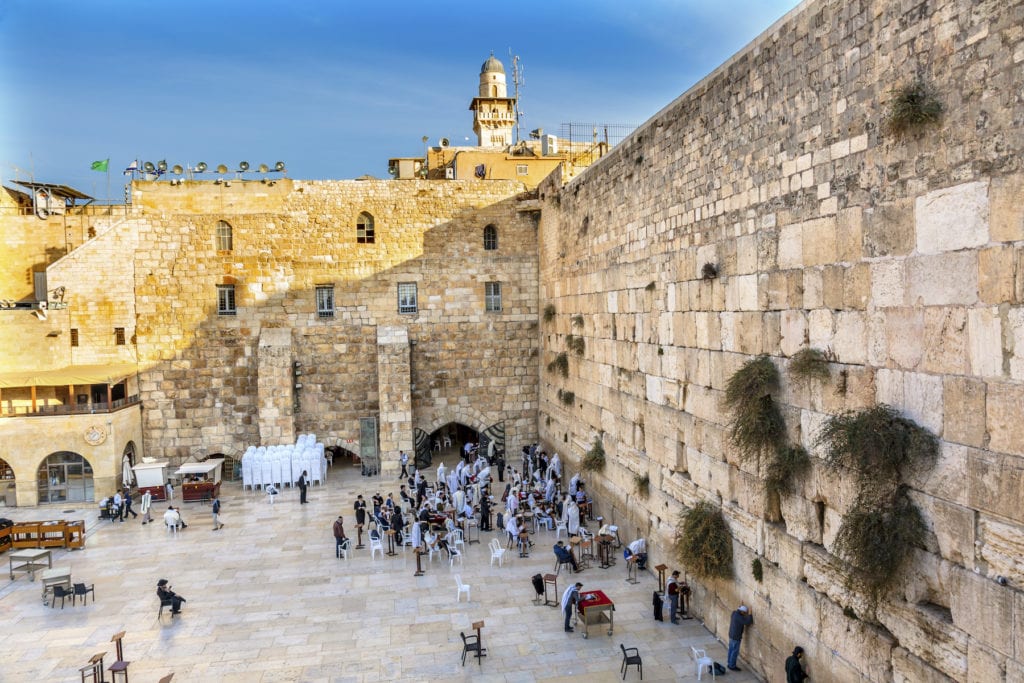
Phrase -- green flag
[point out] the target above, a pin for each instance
(100, 166)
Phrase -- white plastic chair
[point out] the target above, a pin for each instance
(447, 440)
(457, 538)
(463, 588)
(702, 659)
(559, 528)
(497, 552)
(376, 544)
(453, 553)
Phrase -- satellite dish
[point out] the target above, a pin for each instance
(243, 165)
(162, 165)
(264, 168)
(148, 167)
(444, 142)
(279, 167)
(201, 166)
(221, 168)
(177, 170)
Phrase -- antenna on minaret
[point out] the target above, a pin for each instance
(517, 80)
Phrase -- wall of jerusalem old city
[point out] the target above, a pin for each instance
(901, 256)
(215, 383)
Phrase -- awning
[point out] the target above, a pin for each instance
(73, 374)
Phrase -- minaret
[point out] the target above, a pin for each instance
(494, 118)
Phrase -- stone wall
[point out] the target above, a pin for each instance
(201, 379)
(900, 255)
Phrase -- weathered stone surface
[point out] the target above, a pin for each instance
(982, 608)
(1002, 549)
(908, 668)
(1005, 428)
(985, 332)
(952, 218)
(943, 280)
(964, 411)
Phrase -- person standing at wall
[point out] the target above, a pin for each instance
(303, 485)
(340, 539)
(672, 588)
(741, 618)
(794, 668)
(403, 458)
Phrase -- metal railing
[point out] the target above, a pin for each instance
(69, 408)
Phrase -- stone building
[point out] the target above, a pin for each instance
(773, 207)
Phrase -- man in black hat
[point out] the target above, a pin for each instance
(163, 590)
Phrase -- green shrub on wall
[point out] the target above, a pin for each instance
(703, 542)
(642, 484)
(913, 106)
(807, 364)
(549, 313)
(593, 460)
(789, 464)
(560, 365)
(757, 426)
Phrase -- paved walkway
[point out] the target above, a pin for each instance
(268, 601)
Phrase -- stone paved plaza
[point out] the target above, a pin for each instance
(268, 601)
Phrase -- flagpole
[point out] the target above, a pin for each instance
(109, 206)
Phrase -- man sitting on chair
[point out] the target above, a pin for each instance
(164, 592)
(565, 556)
(172, 518)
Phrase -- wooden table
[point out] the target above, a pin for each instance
(596, 608)
(31, 560)
(55, 576)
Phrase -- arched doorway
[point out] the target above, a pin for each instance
(65, 477)
(7, 487)
(127, 462)
(446, 440)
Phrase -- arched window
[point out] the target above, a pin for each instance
(224, 236)
(490, 238)
(364, 229)
(65, 477)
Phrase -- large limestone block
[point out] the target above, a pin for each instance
(1015, 323)
(889, 229)
(908, 668)
(820, 243)
(791, 600)
(964, 411)
(888, 283)
(1007, 216)
(952, 218)
(983, 665)
(790, 253)
(943, 279)
(922, 400)
(995, 483)
(863, 646)
(1002, 547)
(1018, 631)
(996, 275)
(946, 478)
(793, 324)
(784, 550)
(1005, 426)
(985, 341)
(953, 526)
(927, 633)
(945, 330)
(826, 574)
(850, 340)
(983, 608)
(849, 234)
(821, 327)
(904, 336)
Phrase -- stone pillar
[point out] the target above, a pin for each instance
(274, 387)
(394, 379)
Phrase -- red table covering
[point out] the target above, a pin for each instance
(593, 599)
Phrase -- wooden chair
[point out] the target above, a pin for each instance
(631, 657)
(120, 666)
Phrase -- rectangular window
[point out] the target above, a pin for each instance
(325, 301)
(407, 297)
(522, 169)
(226, 300)
(492, 296)
(74, 336)
(119, 336)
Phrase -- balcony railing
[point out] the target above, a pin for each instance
(68, 409)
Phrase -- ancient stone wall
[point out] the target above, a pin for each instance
(901, 255)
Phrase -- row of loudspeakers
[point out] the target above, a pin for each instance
(177, 169)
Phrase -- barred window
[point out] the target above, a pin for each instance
(492, 296)
(325, 301)
(226, 300)
(490, 238)
(119, 336)
(224, 236)
(74, 336)
(407, 297)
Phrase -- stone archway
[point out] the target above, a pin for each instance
(65, 476)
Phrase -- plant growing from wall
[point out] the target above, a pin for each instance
(566, 397)
(577, 320)
(642, 484)
(593, 460)
(913, 106)
(757, 569)
(709, 271)
(560, 364)
(576, 344)
(549, 313)
(807, 364)
(788, 464)
(757, 426)
(876, 536)
(703, 543)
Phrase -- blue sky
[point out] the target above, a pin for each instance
(333, 88)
